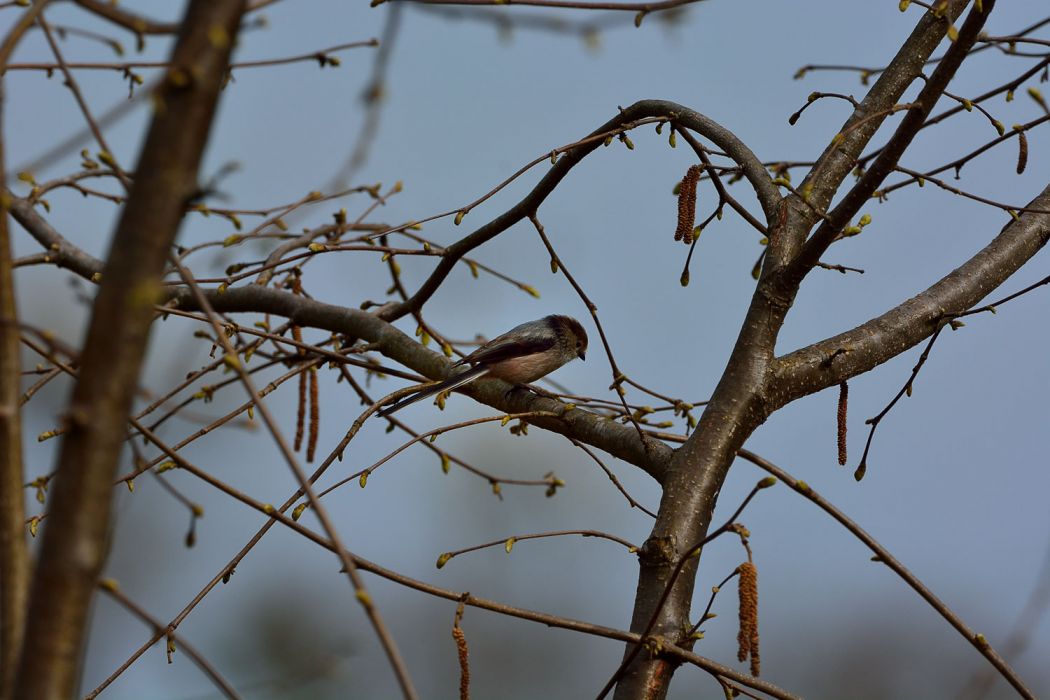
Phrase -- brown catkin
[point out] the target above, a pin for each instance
(1022, 152)
(747, 638)
(464, 664)
(687, 205)
(315, 416)
(843, 402)
(300, 420)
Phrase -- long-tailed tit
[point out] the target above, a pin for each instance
(521, 355)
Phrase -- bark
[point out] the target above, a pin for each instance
(829, 362)
(742, 399)
(74, 543)
(14, 555)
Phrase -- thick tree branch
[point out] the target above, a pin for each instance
(829, 362)
(839, 158)
(614, 438)
(690, 491)
(692, 482)
(73, 549)
(14, 554)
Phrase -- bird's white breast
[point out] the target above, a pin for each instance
(528, 368)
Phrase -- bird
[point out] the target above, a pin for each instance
(521, 355)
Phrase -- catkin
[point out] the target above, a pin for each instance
(687, 205)
(747, 638)
(464, 665)
(843, 401)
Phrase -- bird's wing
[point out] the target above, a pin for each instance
(504, 348)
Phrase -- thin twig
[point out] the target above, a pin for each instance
(363, 597)
(978, 641)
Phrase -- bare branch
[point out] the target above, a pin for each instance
(829, 362)
(73, 549)
(641, 7)
(978, 641)
(890, 154)
(618, 440)
(754, 171)
(110, 588)
(130, 21)
(839, 157)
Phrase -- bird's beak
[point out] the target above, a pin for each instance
(583, 355)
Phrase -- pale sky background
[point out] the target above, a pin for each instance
(957, 478)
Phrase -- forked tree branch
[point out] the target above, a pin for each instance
(890, 154)
(745, 395)
(752, 168)
(840, 157)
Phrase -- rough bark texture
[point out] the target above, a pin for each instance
(74, 545)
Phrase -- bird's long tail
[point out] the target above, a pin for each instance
(448, 385)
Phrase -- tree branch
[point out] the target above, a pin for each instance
(614, 438)
(883, 555)
(839, 158)
(890, 154)
(14, 554)
(110, 588)
(606, 435)
(73, 549)
(829, 362)
(58, 248)
(727, 141)
(130, 21)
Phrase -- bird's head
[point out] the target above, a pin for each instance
(572, 334)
